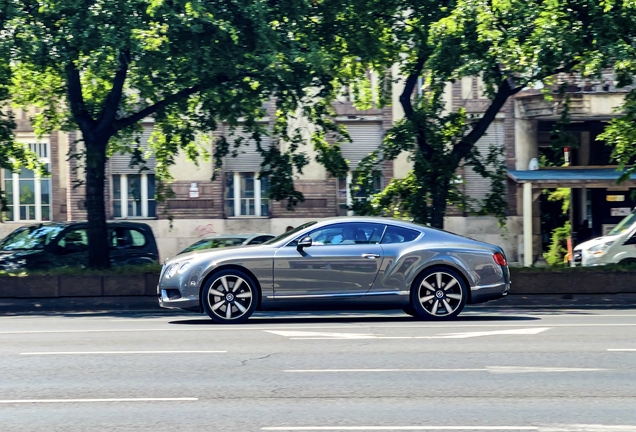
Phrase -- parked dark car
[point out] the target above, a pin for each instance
(51, 244)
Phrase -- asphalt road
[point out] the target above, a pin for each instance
(507, 370)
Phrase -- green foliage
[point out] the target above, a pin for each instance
(561, 194)
(103, 66)
(558, 245)
(620, 134)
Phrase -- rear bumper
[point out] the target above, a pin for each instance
(484, 293)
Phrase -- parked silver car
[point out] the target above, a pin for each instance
(339, 263)
(229, 240)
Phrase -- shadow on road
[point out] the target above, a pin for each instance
(349, 319)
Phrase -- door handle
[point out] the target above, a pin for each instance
(370, 256)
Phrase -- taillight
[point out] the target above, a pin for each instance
(500, 259)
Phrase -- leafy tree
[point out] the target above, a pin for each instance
(12, 154)
(101, 66)
(510, 44)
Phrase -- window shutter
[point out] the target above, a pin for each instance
(365, 137)
(248, 159)
(478, 187)
(119, 163)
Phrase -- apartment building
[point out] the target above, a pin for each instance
(237, 200)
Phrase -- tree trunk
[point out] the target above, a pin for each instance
(438, 204)
(98, 250)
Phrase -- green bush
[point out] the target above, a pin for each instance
(558, 245)
(129, 270)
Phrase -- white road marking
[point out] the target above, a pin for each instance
(321, 335)
(533, 369)
(554, 428)
(526, 331)
(356, 326)
(297, 335)
(490, 369)
(401, 428)
(32, 401)
(118, 352)
(622, 349)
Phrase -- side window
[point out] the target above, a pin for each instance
(74, 241)
(138, 238)
(347, 234)
(395, 234)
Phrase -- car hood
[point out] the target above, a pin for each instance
(596, 241)
(18, 254)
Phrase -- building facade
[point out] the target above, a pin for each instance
(237, 200)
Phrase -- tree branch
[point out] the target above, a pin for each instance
(76, 97)
(134, 118)
(411, 81)
(175, 97)
(504, 91)
(109, 111)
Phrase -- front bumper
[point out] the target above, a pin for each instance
(186, 303)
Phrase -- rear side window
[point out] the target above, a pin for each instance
(138, 238)
(125, 238)
(395, 234)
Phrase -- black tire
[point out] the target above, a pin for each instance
(628, 262)
(221, 292)
(431, 302)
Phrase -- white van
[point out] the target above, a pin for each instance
(617, 247)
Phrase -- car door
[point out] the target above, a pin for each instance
(72, 248)
(343, 261)
(128, 246)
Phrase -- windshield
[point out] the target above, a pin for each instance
(623, 225)
(290, 233)
(30, 238)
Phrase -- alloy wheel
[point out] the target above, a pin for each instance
(440, 294)
(230, 297)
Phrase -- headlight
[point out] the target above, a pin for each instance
(600, 249)
(172, 270)
(184, 267)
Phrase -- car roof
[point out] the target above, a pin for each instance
(371, 219)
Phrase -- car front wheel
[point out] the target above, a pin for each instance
(439, 294)
(230, 297)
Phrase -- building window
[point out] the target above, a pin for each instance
(134, 196)
(246, 194)
(346, 196)
(29, 196)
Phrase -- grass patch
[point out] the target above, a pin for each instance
(129, 270)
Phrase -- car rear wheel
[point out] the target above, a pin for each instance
(439, 294)
(230, 297)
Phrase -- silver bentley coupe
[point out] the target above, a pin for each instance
(339, 263)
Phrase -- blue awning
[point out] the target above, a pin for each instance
(564, 176)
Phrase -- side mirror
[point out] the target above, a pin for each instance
(304, 242)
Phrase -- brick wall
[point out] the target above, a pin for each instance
(320, 200)
(209, 204)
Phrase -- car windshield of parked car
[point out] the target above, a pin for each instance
(30, 238)
(290, 233)
(214, 244)
(623, 225)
